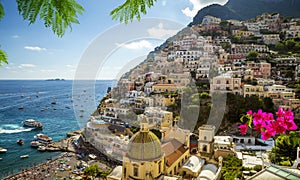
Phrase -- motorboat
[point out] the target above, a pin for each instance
(35, 144)
(41, 148)
(32, 123)
(21, 107)
(2, 150)
(20, 142)
(43, 138)
(24, 156)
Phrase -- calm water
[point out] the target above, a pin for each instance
(72, 102)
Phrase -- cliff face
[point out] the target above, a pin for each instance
(247, 9)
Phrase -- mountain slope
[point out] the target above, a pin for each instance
(247, 9)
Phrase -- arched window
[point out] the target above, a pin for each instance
(135, 171)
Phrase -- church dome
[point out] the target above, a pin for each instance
(144, 146)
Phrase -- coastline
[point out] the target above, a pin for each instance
(69, 163)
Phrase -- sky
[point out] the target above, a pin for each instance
(97, 48)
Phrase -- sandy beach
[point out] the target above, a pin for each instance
(69, 164)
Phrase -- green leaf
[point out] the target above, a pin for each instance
(3, 57)
(131, 9)
(56, 14)
(2, 13)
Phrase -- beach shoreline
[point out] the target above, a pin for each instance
(67, 163)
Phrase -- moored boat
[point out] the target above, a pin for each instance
(20, 142)
(43, 138)
(24, 156)
(2, 150)
(35, 144)
(41, 148)
(32, 123)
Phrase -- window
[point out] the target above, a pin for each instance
(136, 171)
(242, 140)
(204, 148)
(205, 138)
(159, 167)
(125, 172)
(249, 140)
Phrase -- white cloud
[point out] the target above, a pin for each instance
(192, 12)
(160, 32)
(15, 36)
(199, 4)
(137, 45)
(70, 66)
(34, 48)
(26, 66)
(47, 70)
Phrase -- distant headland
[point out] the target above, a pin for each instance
(57, 79)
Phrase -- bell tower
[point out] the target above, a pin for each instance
(206, 140)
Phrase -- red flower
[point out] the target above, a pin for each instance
(243, 128)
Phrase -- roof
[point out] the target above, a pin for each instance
(208, 172)
(144, 146)
(116, 173)
(194, 164)
(119, 128)
(275, 172)
(165, 85)
(173, 150)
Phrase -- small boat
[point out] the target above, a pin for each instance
(41, 148)
(43, 138)
(35, 144)
(81, 110)
(20, 142)
(0, 159)
(32, 123)
(81, 115)
(21, 107)
(2, 150)
(24, 156)
(54, 102)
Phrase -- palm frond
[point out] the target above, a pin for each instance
(131, 9)
(3, 57)
(2, 13)
(56, 14)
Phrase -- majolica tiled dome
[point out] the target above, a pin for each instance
(144, 146)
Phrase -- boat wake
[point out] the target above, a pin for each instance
(13, 128)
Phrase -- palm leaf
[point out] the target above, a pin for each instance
(131, 9)
(1, 11)
(3, 57)
(56, 14)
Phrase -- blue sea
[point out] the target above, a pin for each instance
(61, 106)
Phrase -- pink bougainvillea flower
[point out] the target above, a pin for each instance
(279, 125)
(291, 125)
(265, 135)
(250, 112)
(280, 112)
(243, 128)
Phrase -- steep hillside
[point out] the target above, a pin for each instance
(247, 9)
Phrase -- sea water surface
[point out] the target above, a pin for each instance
(59, 106)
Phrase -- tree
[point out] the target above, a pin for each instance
(92, 170)
(252, 56)
(285, 149)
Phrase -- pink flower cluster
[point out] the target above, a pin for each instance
(265, 123)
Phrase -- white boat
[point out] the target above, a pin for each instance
(41, 148)
(2, 150)
(35, 144)
(32, 123)
(24, 156)
(43, 138)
